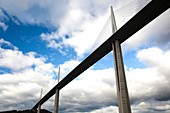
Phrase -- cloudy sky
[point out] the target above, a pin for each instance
(38, 36)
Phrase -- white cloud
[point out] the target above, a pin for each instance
(16, 60)
(3, 26)
(81, 27)
(90, 91)
(6, 43)
(2, 15)
(96, 87)
(110, 109)
(49, 12)
(155, 57)
(82, 41)
(152, 107)
(156, 33)
(84, 25)
(20, 88)
(82, 22)
(51, 39)
(2, 41)
(94, 91)
(55, 13)
(67, 67)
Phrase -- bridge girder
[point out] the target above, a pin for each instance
(142, 18)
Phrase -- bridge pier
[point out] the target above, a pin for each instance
(39, 109)
(57, 92)
(122, 91)
(56, 101)
(39, 106)
(151, 11)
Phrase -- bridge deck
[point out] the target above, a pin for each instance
(146, 15)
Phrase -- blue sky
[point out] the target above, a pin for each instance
(36, 37)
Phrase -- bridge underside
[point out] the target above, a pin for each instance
(146, 15)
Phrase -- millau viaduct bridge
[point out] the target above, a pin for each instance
(142, 18)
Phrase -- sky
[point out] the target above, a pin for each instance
(39, 36)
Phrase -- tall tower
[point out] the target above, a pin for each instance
(39, 106)
(56, 101)
(122, 91)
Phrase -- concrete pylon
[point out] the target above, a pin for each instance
(56, 101)
(122, 91)
(39, 106)
(39, 109)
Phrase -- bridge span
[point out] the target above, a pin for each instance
(142, 18)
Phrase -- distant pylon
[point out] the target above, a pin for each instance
(41, 93)
(39, 106)
(122, 91)
(56, 101)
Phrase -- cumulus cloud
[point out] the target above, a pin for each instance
(82, 23)
(155, 33)
(155, 57)
(68, 66)
(80, 40)
(152, 81)
(87, 28)
(4, 43)
(3, 17)
(152, 107)
(22, 90)
(110, 109)
(11, 58)
(54, 12)
(83, 41)
(49, 12)
(18, 61)
(28, 73)
(94, 91)
(3, 26)
(54, 41)
(90, 91)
